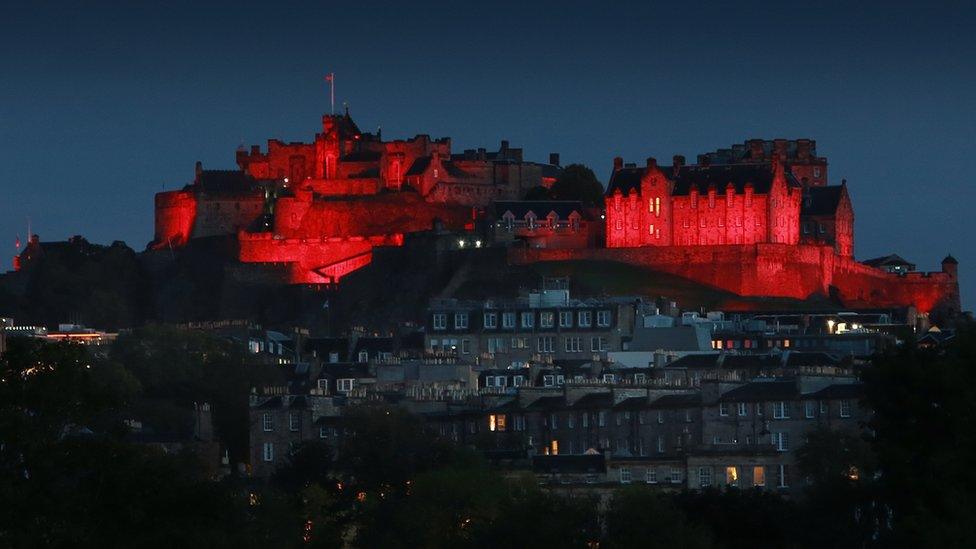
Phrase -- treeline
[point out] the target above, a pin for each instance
(69, 476)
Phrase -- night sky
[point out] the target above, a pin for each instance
(101, 106)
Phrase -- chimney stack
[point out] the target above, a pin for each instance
(678, 161)
(651, 162)
(703, 160)
(756, 150)
(554, 159)
(618, 163)
(504, 144)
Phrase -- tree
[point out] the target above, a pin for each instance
(924, 426)
(537, 193)
(577, 182)
(639, 517)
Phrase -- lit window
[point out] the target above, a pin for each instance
(731, 475)
(555, 448)
(758, 475)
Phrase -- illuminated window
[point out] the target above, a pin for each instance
(657, 206)
(758, 475)
(732, 475)
(555, 448)
(496, 422)
(650, 229)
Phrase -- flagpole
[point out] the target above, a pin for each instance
(332, 91)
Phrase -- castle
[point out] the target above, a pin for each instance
(757, 219)
(319, 208)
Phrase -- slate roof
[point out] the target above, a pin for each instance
(521, 208)
(679, 400)
(762, 390)
(546, 403)
(631, 403)
(677, 338)
(594, 400)
(821, 200)
(838, 391)
(702, 177)
(888, 260)
(709, 360)
(419, 166)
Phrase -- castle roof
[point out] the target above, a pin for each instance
(702, 178)
(888, 261)
(223, 180)
(821, 200)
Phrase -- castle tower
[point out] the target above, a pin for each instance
(655, 198)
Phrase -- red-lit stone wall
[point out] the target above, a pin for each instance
(175, 215)
(777, 270)
(312, 261)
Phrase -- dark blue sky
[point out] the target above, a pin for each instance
(101, 106)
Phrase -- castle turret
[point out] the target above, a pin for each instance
(950, 266)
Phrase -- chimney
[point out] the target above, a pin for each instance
(703, 160)
(803, 149)
(651, 163)
(554, 159)
(504, 144)
(482, 153)
(756, 150)
(198, 168)
(678, 161)
(618, 163)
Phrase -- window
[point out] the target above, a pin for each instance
(508, 320)
(603, 319)
(585, 319)
(808, 409)
(660, 417)
(816, 172)
(520, 343)
(688, 416)
(460, 321)
(293, 421)
(553, 421)
(491, 320)
(363, 356)
(731, 475)
(781, 410)
(544, 344)
(268, 451)
(346, 385)
(650, 475)
(267, 422)
(598, 344)
(758, 475)
(518, 381)
(571, 421)
(640, 378)
(547, 319)
(496, 422)
(782, 441)
(440, 321)
(585, 420)
(845, 408)
(743, 409)
(660, 444)
(528, 320)
(466, 346)
(782, 476)
(574, 344)
(608, 378)
(704, 477)
(323, 432)
(555, 447)
(823, 407)
(723, 409)
(676, 474)
(520, 423)
(602, 418)
(625, 475)
(759, 409)
(565, 319)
